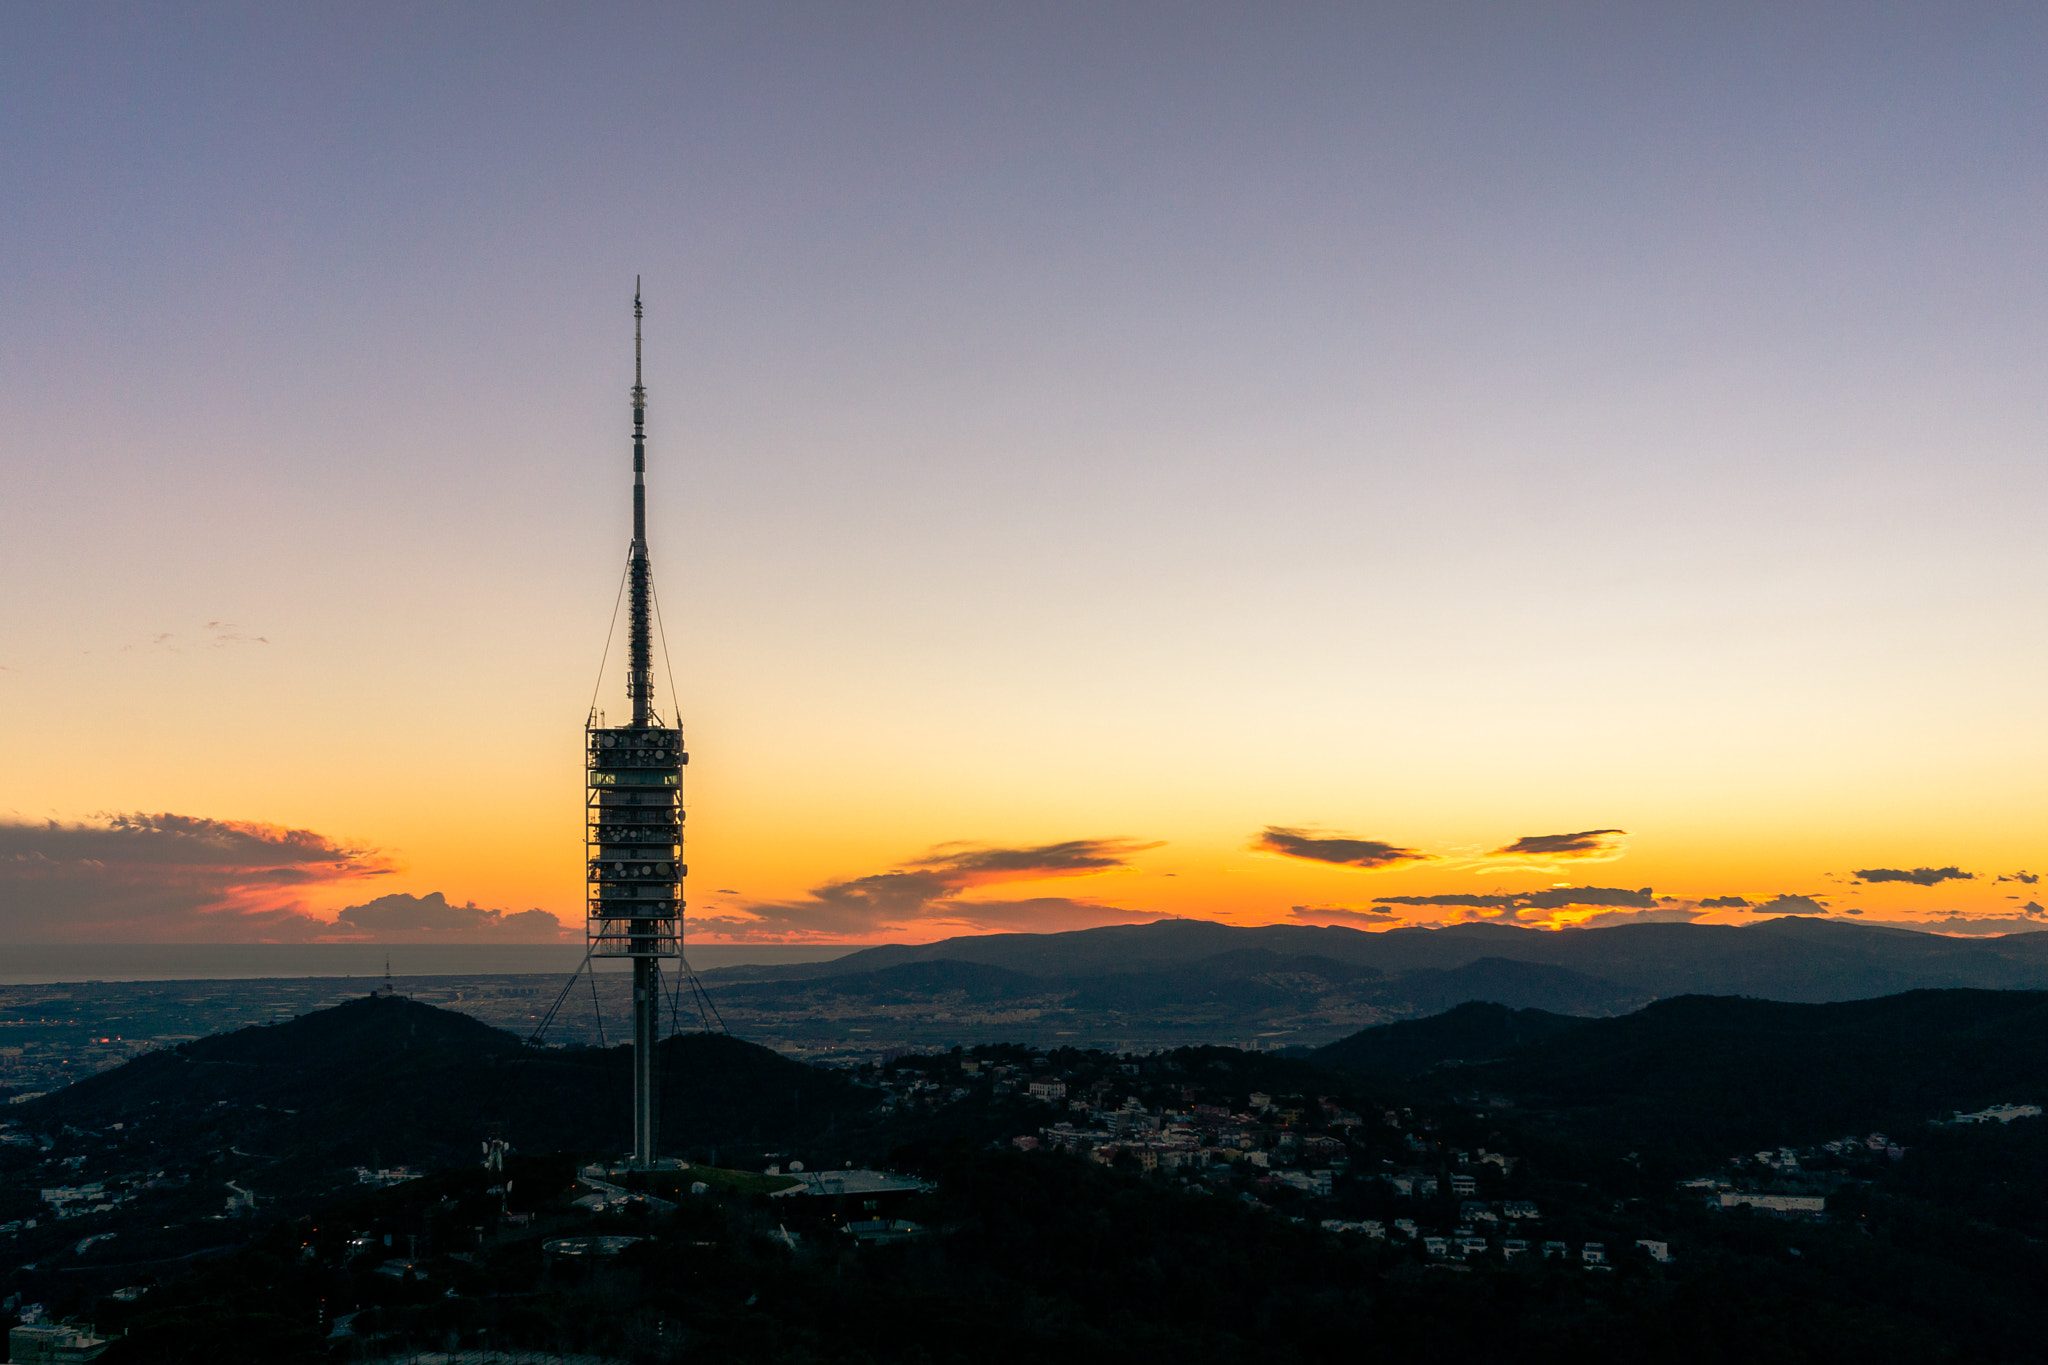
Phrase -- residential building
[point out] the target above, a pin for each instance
(53, 1343)
(2000, 1113)
(1773, 1203)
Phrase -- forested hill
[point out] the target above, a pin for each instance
(1698, 1077)
(384, 1080)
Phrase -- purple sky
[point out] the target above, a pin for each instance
(1432, 424)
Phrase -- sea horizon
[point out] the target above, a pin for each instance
(33, 964)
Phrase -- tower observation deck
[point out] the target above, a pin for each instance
(633, 810)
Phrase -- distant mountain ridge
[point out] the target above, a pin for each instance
(1793, 958)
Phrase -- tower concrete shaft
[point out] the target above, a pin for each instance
(646, 1034)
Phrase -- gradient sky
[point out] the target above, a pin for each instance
(1100, 455)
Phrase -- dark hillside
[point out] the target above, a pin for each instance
(1698, 1078)
(1470, 1033)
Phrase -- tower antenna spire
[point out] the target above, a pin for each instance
(640, 647)
(633, 821)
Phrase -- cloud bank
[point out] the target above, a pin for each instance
(925, 896)
(1338, 850)
(170, 878)
(430, 917)
(1786, 903)
(166, 878)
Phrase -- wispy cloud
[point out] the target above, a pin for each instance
(1351, 916)
(929, 894)
(1550, 898)
(1917, 876)
(221, 634)
(213, 635)
(1556, 904)
(1338, 850)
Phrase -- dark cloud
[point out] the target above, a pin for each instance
(168, 878)
(927, 892)
(1785, 903)
(1919, 876)
(1558, 897)
(2034, 908)
(1340, 851)
(432, 917)
(1587, 843)
(2024, 878)
(968, 865)
(1724, 903)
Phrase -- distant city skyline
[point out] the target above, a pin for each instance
(1338, 466)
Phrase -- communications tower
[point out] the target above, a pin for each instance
(633, 809)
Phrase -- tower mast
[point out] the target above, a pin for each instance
(633, 809)
(639, 666)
